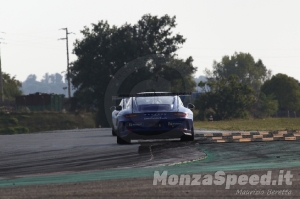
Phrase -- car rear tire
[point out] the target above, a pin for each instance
(113, 132)
(121, 141)
(185, 138)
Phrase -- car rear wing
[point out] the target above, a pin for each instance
(121, 96)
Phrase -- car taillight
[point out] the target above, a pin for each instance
(130, 115)
(181, 114)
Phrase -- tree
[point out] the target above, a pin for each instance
(199, 79)
(285, 89)
(51, 79)
(228, 98)
(105, 49)
(31, 79)
(58, 78)
(244, 66)
(11, 87)
(46, 78)
(51, 83)
(269, 105)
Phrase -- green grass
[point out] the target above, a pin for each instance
(15, 123)
(267, 124)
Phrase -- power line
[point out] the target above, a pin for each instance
(30, 43)
(32, 40)
(26, 46)
(32, 33)
(38, 40)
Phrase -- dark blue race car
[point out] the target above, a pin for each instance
(154, 116)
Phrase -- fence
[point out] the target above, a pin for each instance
(290, 114)
(40, 102)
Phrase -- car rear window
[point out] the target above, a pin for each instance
(155, 100)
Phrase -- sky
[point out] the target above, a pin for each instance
(267, 29)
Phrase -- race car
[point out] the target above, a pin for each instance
(153, 115)
(115, 113)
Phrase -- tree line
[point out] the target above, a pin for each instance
(50, 83)
(236, 87)
(239, 87)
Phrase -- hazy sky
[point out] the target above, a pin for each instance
(267, 29)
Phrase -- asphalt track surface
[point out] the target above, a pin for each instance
(89, 164)
(83, 150)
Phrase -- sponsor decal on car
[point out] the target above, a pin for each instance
(155, 116)
(174, 123)
(136, 124)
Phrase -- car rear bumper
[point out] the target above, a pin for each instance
(154, 134)
(154, 129)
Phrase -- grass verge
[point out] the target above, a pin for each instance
(267, 124)
(15, 123)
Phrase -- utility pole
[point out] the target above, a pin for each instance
(68, 70)
(1, 79)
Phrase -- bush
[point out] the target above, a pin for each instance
(269, 105)
(13, 130)
(20, 129)
(24, 116)
(205, 115)
(9, 130)
(42, 121)
(13, 120)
